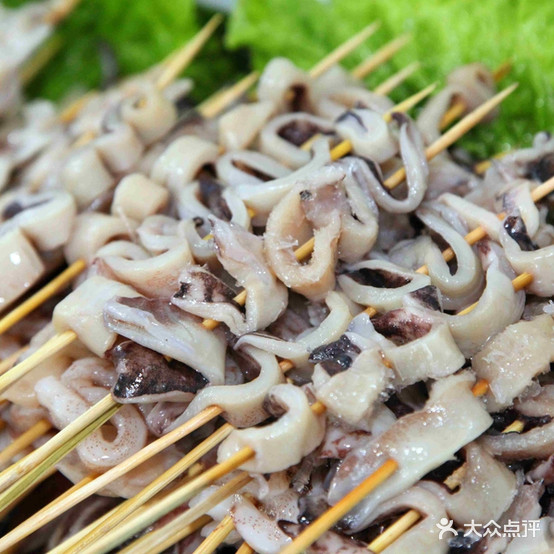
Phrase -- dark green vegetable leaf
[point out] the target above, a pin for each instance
(446, 33)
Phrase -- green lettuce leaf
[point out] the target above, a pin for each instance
(446, 33)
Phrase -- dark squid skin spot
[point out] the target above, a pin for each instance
(14, 208)
(211, 196)
(428, 296)
(143, 372)
(204, 287)
(516, 228)
(401, 326)
(252, 171)
(541, 169)
(337, 356)
(379, 278)
(272, 407)
(298, 132)
(299, 98)
(352, 115)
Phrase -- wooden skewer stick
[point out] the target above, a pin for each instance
(481, 167)
(389, 535)
(129, 506)
(57, 507)
(185, 56)
(402, 524)
(34, 459)
(397, 79)
(381, 56)
(70, 542)
(454, 133)
(403, 106)
(216, 537)
(214, 105)
(174, 499)
(162, 539)
(175, 64)
(20, 486)
(39, 59)
(343, 50)
(479, 233)
(340, 509)
(49, 348)
(60, 11)
(24, 440)
(459, 107)
(46, 292)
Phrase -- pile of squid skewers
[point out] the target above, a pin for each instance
(174, 215)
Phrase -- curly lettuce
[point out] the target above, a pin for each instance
(446, 33)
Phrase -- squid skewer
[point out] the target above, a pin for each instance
(211, 413)
(285, 365)
(208, 109)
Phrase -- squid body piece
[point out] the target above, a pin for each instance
(281, 444)
(21, 266)
(138, 197)
(513, 358)
(243, 405)
(82, 311)
(419, 442)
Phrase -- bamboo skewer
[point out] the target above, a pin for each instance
(60, 11)
(339, 510)
(381, 56)
(56, 508)
(129, 506)
(174, 499)
(39, 59)
(343, 50)
(69, 543)
(395, 80)
(34, 459)
(184, 57)
(459, 107)
(454, 133)
(216, 537)
(37, 299)
(24, 440)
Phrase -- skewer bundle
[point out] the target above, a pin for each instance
(165, 284)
